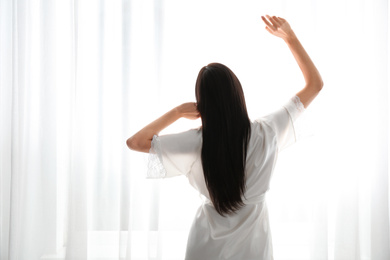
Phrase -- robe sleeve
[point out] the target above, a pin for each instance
(172, 155)
(284, 122)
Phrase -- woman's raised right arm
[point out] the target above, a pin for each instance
(280, 27)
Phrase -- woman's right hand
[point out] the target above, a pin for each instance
(278, 26)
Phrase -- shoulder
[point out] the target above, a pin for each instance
(183, 142)
(262, 132)
(263, 125)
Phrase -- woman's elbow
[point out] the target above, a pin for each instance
(316, 85)
(138, 145)
(321, 85)
(132, 144)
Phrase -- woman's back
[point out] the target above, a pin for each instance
(244, 234)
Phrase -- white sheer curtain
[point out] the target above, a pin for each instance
(78, 77)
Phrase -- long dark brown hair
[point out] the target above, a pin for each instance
(226, 132)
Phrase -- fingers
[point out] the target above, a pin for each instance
(270, 26)
(274, 22)
(269, 30)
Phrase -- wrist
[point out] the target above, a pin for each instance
(291, 38)
(177, 111)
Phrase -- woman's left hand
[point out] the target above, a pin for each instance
(188, 110)
(141, 141)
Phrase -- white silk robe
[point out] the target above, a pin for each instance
(245, 235)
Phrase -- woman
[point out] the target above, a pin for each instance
(230, 159)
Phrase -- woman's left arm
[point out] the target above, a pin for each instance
(142, 140)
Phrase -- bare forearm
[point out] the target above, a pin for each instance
(312, 76)
(141, 141)
(281, 28)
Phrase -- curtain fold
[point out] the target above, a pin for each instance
(78, 77)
